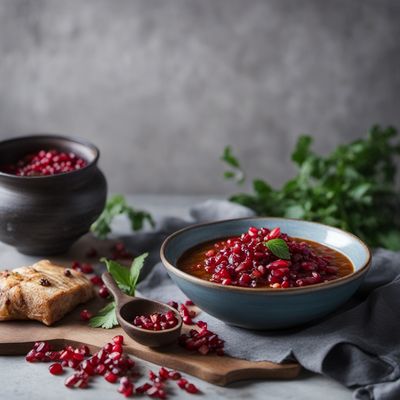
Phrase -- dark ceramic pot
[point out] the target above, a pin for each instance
(44, 215)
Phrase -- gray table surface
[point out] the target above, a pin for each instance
(22, 380)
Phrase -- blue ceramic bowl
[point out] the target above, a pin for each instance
(267, 308)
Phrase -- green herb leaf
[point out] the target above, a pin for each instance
(278, 248)
(117, 205)
(135, 269)
(302, 150)
(229, 158)
(120, 273)
(236, 173)
(106, 318)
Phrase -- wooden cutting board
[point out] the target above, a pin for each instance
(17, 338)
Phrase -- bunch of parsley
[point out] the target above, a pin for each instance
(126, 278)
(352, 188)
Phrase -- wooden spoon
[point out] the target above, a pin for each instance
(129, 307)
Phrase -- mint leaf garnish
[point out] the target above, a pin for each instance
(278, 248)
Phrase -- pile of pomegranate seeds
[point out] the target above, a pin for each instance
(45, 162)
(202, 339)
(246, 261)
(156, 321)
(109, 362)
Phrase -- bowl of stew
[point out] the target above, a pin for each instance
(266, 273)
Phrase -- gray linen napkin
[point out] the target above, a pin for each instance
(359, 345)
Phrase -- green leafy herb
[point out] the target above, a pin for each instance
(236, 173)
(106, 317)
(352, 188)
(126, 280)
(279, 248)
(117, 205)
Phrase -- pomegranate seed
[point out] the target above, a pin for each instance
(173, 304)
(87, 268)
(71, 381)
(163, 373)
(117, 348)
(103, 292)
(110, 377)
(191, 388)
(85, 315)
(96, 280)
(152, 375)
(144, 388)
(174, 375)
(56, 369)
(119, 339)
(189, 303)
(182, 383)
(275, 233)
(76, 265)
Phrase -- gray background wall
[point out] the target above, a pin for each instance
(162, 85)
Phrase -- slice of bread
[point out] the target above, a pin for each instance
(44, 292)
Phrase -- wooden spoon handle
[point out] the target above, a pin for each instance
(119, 296)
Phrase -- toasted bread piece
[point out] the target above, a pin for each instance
(44, 292)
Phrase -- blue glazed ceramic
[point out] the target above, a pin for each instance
(267, 308)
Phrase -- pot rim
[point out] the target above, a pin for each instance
(43, 137)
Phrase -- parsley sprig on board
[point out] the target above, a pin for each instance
(117, 205)
(352, 188)
(126, 278)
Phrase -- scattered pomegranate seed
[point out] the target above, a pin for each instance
(103, 292)
(182, 383)
(110, 377)
(76, 265)
(96, 280)
(144, 388)
(126, 387)
(203, 341)
(85, 315)
(87, 268)
(191, 388)
(189, 303)
(173, 304)
(56, 369)
(174, 375)
(45, 162)
(119, 339)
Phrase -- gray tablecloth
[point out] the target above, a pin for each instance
(359, 345)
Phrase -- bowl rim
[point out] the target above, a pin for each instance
(264, 290)
(44, 136)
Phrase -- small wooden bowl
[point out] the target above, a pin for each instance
(129, 307)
